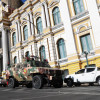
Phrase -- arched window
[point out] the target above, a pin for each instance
(56, 16)
(14, 38)
(78, 6)
(39, 25)
(61, 48)
(25, 32)
(86, 43)
(15, 60)
(42, 53)
(27, 54)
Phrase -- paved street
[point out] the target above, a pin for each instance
(50, 93)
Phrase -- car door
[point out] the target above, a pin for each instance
(89, 75)
(80, 75)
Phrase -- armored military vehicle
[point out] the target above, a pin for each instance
(33, 73)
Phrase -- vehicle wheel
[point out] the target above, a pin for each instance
(77, 84)
(37, 82)
(98, 81)
(58, 84)
(11, 83)
(29, 85)
(69, 82)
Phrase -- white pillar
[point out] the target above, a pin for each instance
(95, 20)
(32, 23)
(5, 48)
(17, 33)
(43, 17)
(47, 14)
(29, 25)
(65, 16)
(53, 54)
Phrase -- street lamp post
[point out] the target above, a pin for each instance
(86, 54)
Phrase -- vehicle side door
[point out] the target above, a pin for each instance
(90, 74)
(80, 75)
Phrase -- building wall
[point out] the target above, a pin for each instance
(71, 28)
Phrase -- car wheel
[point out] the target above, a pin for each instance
(11, 83)
(98, 81)
(37, 82)
(69, 82)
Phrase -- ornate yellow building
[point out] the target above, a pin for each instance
(6, 8)
(57, 30)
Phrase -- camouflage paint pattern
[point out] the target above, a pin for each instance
(24, 71)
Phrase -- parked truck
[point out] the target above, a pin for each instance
(33, 73)
(89, 75)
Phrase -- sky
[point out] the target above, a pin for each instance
(23, 0)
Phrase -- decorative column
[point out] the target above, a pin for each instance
(32, 24)
(19, 31)
(95, 20)
(29, 25)
(69, 36)
(43, 17)
(53, 54)
(5, 48)
(47, 14)
(17, 40)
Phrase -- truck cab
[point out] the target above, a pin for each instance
(86, 75)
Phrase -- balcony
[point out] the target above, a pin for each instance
(57, 27)
(83, 14)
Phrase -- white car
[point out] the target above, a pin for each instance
(88, 75)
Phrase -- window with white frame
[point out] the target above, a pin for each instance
(39, 25)
(14, 38)
(42, 53)
(27, 54)
(78, 6)
(61, 48)
(25, 29)
(56, 16)
(15, 60)
(86, 43)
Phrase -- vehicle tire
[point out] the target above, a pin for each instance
(98, 81)
(29, 85)
(37, 82)
(11, 83)
(77, 84)
(69, 82)
(58, 84)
